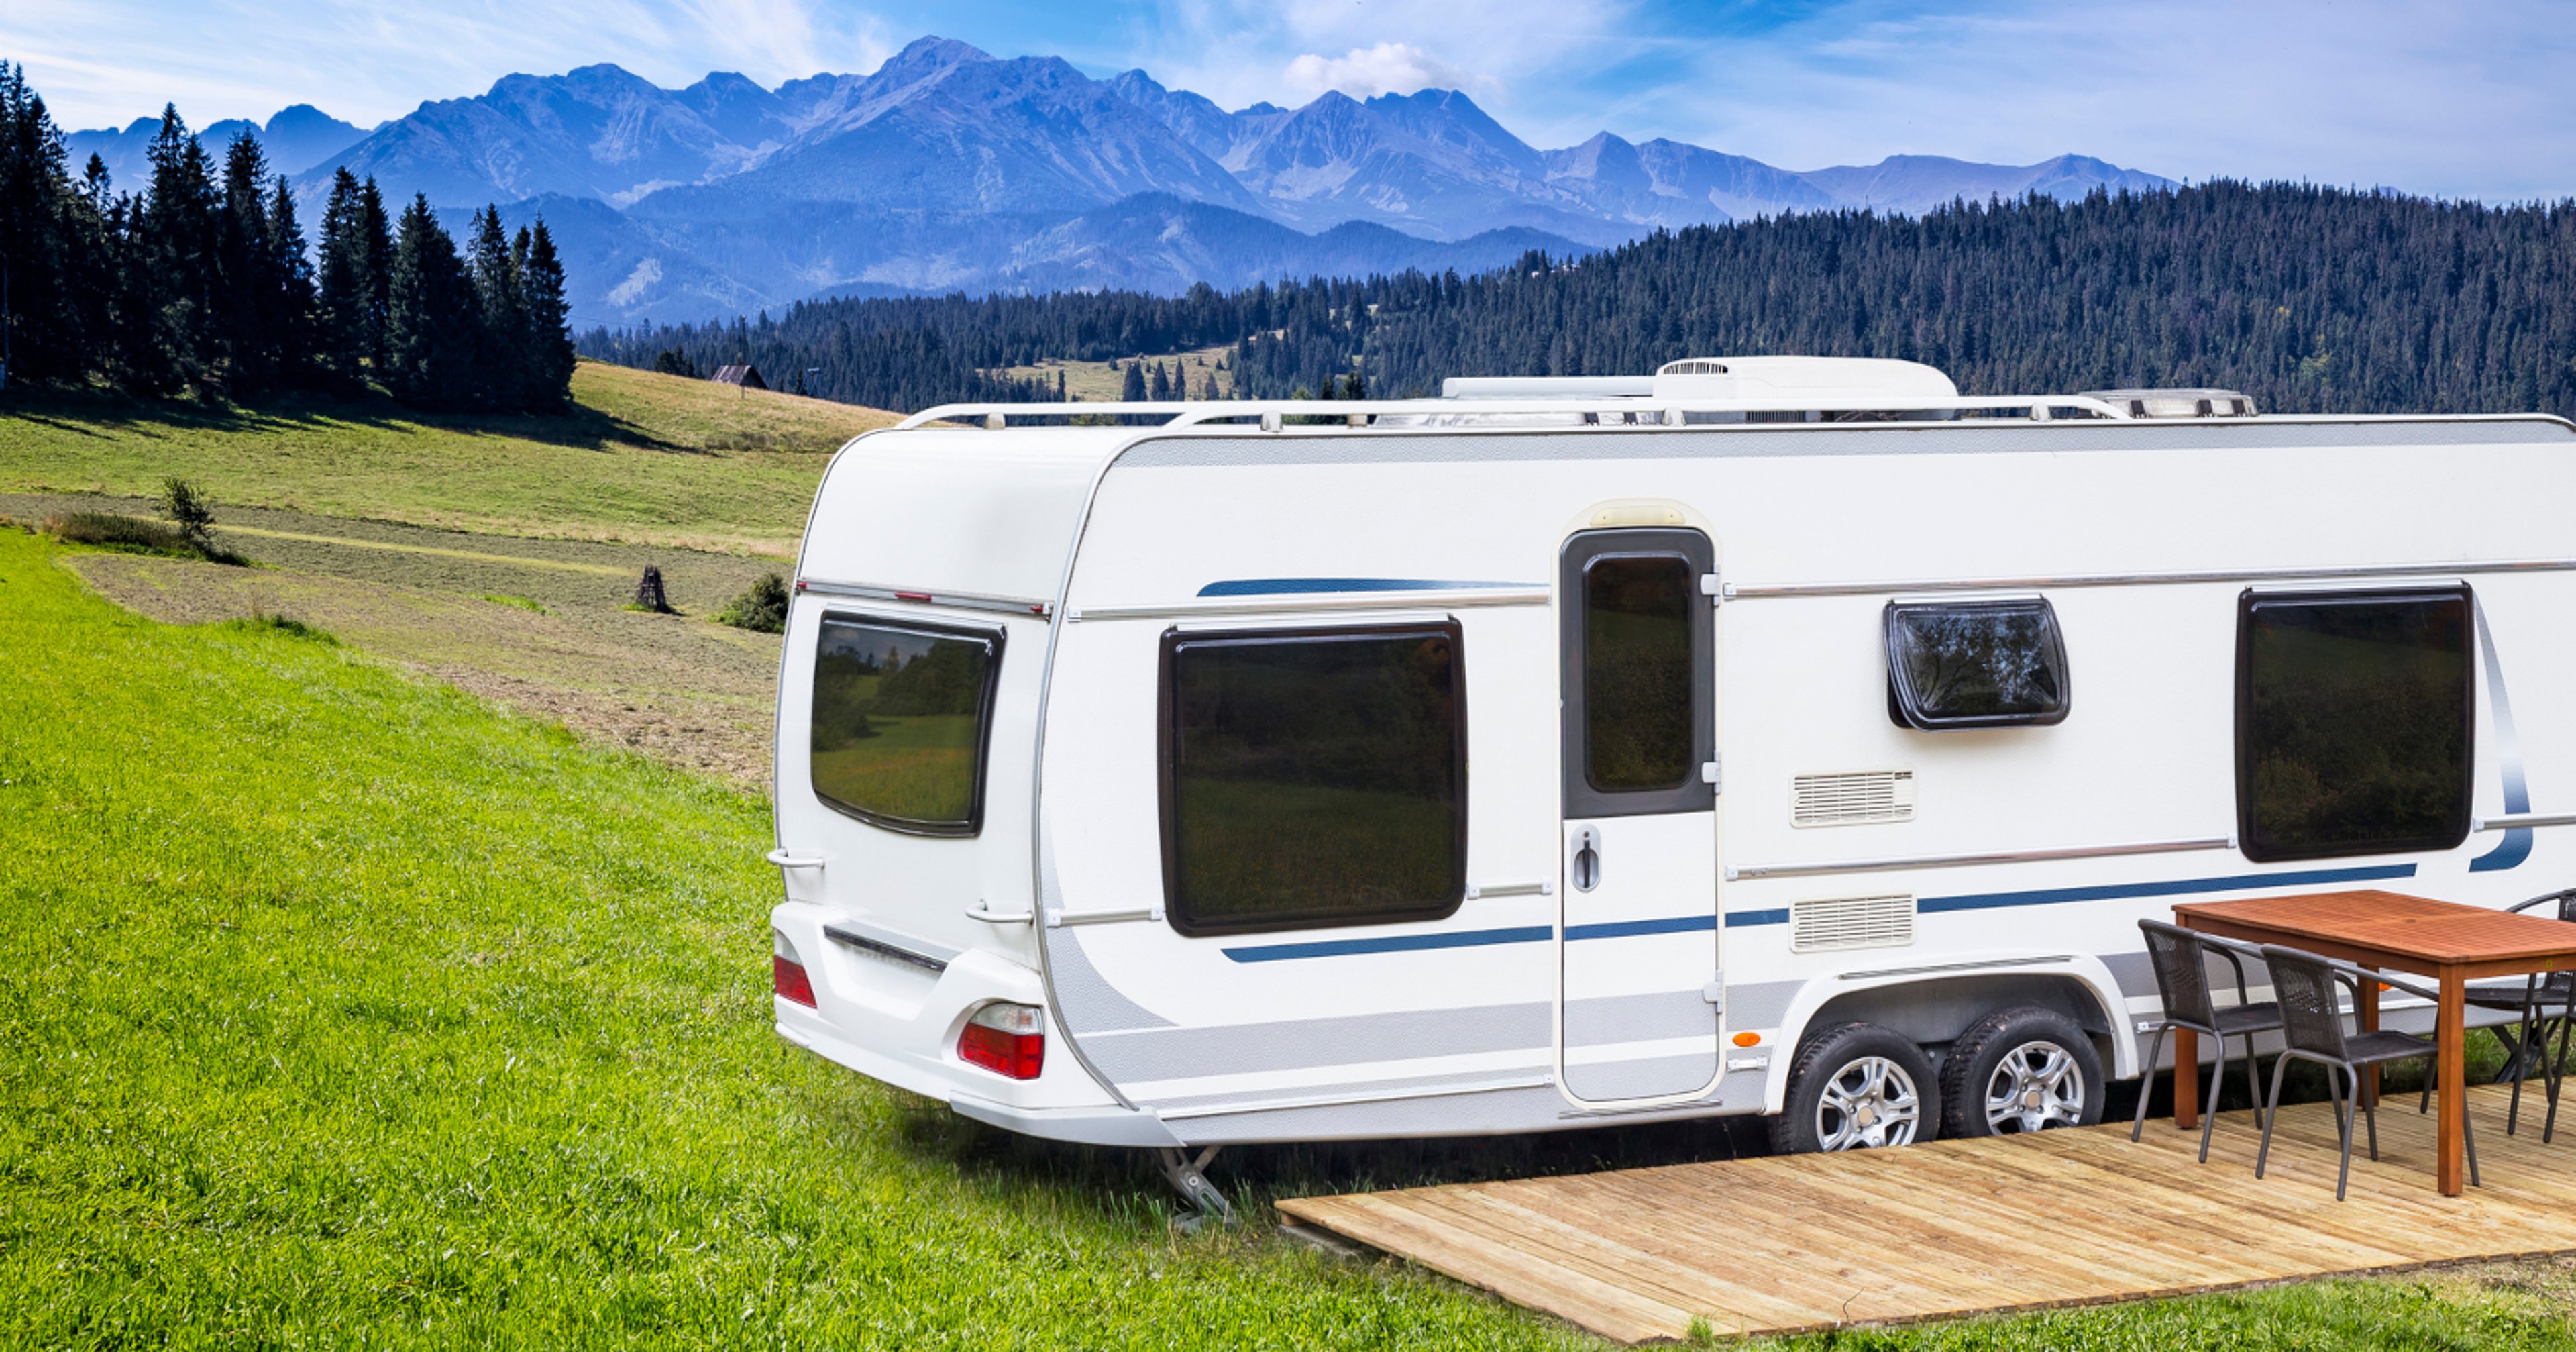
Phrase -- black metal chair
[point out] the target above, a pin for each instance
(2181, 960)
(2312, 1027)
(2533, 999)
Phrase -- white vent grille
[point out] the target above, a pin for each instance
(1851, 799)
(1851, 922)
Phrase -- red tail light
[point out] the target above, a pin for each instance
(1006, 1040)
(787, 975)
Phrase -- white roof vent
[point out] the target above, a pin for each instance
(1801, 382)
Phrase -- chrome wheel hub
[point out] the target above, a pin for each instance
(1870, 1102)
(2036, 1086)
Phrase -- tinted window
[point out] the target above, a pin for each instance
(2352, 723)
(1313, 778)
(1975, 664)
(900, 712)
(1637, 672)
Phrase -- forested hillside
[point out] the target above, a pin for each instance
(2311, 299)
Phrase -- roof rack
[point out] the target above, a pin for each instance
(1272, 414)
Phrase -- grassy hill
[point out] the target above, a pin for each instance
(643, 458)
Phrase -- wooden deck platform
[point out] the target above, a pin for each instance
(1972, 1227)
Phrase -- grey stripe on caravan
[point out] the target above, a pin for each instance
(1772, 440)
(1650, 1078)
(1242, 1048)
(1464, 1081)
(1169, 1053)
(1467, 1113)
(1637, 1018)
(1087, 1001)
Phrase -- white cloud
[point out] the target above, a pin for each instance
(1366, 72)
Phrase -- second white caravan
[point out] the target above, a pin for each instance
(1767, 736)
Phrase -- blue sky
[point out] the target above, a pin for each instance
(2449, 99)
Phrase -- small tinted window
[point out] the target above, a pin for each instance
(1314, 777)
(1637, 672)
(1975, 664)
(900, 713)
(2352, 723)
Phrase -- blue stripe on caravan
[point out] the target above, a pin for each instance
(1621, 929)
(2241, 882)
(1282, 586)
(1686, 924)
(1402, 943)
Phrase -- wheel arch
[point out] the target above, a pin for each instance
(1935, 1006)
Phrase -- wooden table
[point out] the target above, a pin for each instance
(2452, 943)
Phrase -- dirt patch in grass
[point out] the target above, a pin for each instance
(682, 690)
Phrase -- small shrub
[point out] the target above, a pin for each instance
(189, 513)
(111, 531)
(267, 622)
(522, 602)
(763, 607)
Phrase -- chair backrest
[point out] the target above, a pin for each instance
(2182, 973)
(2566, 903)
(2310, 1000)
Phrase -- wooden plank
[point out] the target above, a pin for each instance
(1955, 1227)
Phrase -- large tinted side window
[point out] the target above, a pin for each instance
(2352, 723)
(901, 711)
(1313, 777)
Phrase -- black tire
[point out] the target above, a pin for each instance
(2020, 1069)
(1850, 1058)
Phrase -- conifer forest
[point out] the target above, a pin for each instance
(200, 282)
(2310, 299)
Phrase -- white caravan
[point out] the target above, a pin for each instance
(1788, 736)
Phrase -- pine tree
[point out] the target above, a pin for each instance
(48, 242)
(1132, 389)
(375, 242)
(432, 320)
(178, 231)
(548, 345)
(291, 271)
(249, 295)
(343, 299)
(502, 366)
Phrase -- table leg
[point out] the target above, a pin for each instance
(2365, 1013)
(2186, 1076)
(2452, 1039)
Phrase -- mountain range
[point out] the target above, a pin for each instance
(947, 168)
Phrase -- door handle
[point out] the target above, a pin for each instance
(1585, 865)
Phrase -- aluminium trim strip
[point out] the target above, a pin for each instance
(1968, 860)
(1305, 602)
(844, 932)
(1342, 1100)
(1007, 605)
(2514, 821)
(1775, 591)
(1059, 919)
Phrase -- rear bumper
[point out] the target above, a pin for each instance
(898, 1023)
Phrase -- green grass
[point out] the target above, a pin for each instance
(643, 458)
(341, 1010)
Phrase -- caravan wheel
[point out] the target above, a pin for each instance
(2017, 1070)
(1857, 1086)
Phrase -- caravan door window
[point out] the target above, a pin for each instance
(1313, 777)
(2353, 723)
(900, 715)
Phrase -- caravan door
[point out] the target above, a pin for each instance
(1637, 934)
